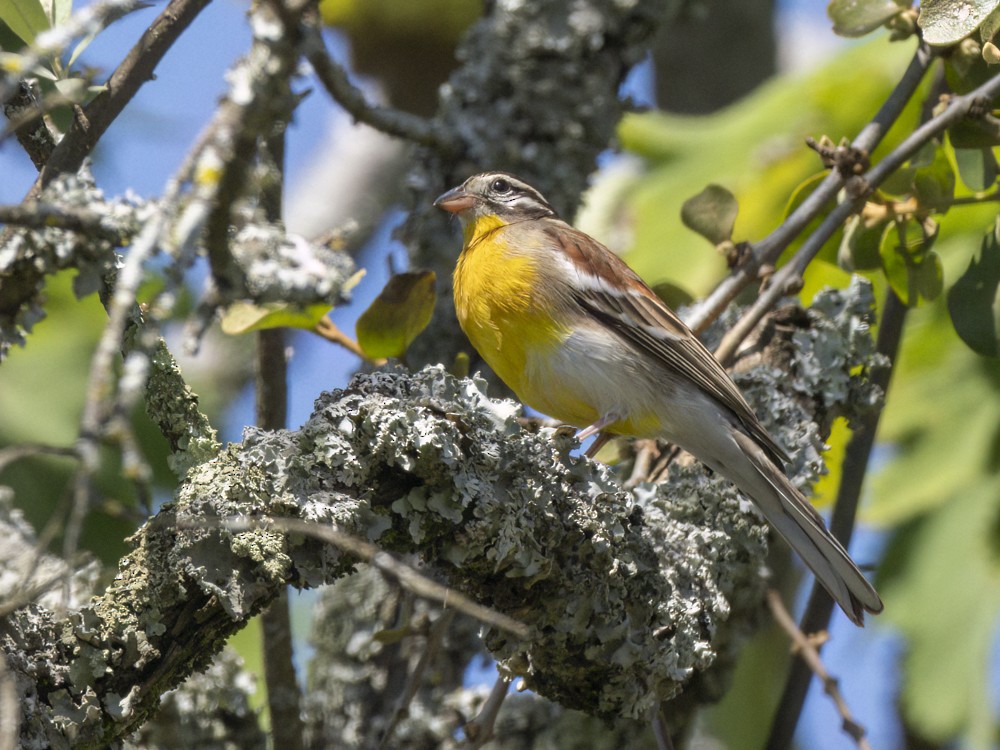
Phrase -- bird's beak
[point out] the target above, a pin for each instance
(455, 201)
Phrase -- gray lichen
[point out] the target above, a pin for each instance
(210, 710)
(632, 598)
(27, 256)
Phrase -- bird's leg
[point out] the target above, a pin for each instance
(602, 440)
(599, 425)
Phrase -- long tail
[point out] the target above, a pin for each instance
(802, 527)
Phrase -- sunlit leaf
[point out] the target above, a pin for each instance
(79, 48)
(243, 317)
(947, 21)
(711, 213)
(58, 11)
(914, 270)
(974, 300)
(26, 18)
(854, 18)
(397, 316)
(989, 27)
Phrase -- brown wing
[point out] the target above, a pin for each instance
(639, 316)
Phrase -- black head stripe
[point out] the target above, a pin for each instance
(509, 196)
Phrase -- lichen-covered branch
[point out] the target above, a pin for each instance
(632, 598)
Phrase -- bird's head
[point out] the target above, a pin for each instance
(495, 194)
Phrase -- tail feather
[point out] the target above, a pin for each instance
(802, 527)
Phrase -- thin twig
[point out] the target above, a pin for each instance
(329, 330)
(38, 215)
(88, 20)
(434, 640)
(13, 453)
(809, 654)
(768, 250)
(388, 565)
(284, 700)
(134, 70)
(853, 470)
(479, 731)
(661, 731)
(790, 274)
(99, 406)
(390, 121)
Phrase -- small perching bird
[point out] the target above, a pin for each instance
(579, 336)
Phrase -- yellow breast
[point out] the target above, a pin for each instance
(497, 301)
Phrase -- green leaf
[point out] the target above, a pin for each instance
(26, 18)
(711, 213)
(974, 300)
(943, 593)
(397, 316)
(975, 132)
(859, 248)
(854, 18)
(948, 21)
(989, 27)
(977, 167)
(58, 11)
(243, 317)
(914, 271)
(934, 183)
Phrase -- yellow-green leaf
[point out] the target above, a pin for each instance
(711, 213)
(26, 18)
(859, 248)
(398, 315)
(854, 18)
(243, 317)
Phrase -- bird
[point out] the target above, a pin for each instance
(577, 335)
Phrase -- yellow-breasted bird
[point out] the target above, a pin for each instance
(579, 336)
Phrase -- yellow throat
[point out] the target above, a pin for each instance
(496, 293)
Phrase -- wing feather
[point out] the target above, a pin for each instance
(635, 313)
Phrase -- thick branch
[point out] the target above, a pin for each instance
(631, 598)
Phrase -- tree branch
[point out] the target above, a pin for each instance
(789, 275)
(768, 250)
(808, 653)
(664, 582)
(390, 121)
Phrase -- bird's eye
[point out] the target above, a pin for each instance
(501, 186)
